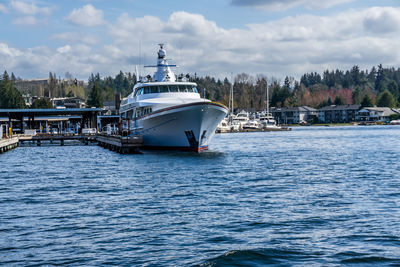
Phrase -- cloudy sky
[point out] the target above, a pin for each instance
(209, 37)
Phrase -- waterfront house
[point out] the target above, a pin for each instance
(338, 113)
(375, 114)
(294, 115)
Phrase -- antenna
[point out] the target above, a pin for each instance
(137, 73)
(140, 55)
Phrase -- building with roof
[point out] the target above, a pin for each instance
(21, 119)
(294, 115)
(338, 113)
(68, 102)
(376, 114)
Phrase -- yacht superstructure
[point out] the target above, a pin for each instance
(169, 113)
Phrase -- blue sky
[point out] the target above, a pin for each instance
(270, 37)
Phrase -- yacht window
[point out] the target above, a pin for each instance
(163, 89)
(189, 88)
(129, 114)
(173, 88)
(182, 88)
(194, 90)
(153, 89)
(147, 90)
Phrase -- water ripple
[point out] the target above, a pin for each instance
(314, 196)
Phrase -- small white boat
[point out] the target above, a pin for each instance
(251, 125)
(267, 121)
(240, 119)
(224, 127)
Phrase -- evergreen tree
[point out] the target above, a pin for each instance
(96, 97)
(338, 101)
(287, 83)
(372, 75)
(366, 101)
(357, 95)
(386, 99)
(393, 88)
(380, 79)
(13, 78)
(42, 103)
(10, 97)
(355, 75)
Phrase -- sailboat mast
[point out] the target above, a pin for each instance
(267, 99)
(231, 96)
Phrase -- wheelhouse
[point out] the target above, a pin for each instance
(170, 88)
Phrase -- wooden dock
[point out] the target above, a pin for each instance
(117, 143)
(8, 144)
(120, 144)
(84, 138)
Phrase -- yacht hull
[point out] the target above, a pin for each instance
(183, 127)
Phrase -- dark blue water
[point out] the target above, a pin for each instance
(314, 196)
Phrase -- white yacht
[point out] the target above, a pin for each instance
(267, 120)
(169, 113)
(241, 118)
(224, 127)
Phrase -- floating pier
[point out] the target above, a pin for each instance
(8, 144)
(120, 144)
(60, 138)
(117, 143)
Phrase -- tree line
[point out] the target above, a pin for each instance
(378, 86)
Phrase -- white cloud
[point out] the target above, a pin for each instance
(288, 46)
(64, 49)
(27, 13)
(29, 8)
(88, 15)
(279, 5)
(8, 52)
(382, 21)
